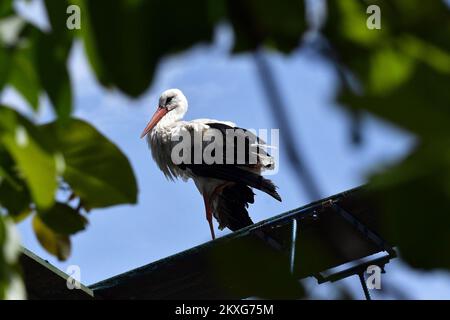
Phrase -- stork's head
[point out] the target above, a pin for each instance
(171, 107)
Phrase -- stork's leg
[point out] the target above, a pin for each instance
(208, 200)
(209, 215)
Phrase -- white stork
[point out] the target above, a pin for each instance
(226, 187)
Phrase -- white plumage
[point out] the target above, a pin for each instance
(226, 188)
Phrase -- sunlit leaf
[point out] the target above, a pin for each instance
(24, 77)
(425, 52)
(389, 70)
(35, 163)
(352, 23)
(97, 171)
(56, 244)
(5, 64)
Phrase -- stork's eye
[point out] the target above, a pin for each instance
(168, 100)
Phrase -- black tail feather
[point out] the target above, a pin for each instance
(232, 207)
(238, 175)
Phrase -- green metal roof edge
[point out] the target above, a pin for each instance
(64, 276)
(285, 216)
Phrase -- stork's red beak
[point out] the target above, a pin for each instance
(160, 112)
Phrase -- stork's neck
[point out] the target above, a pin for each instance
(170, 118)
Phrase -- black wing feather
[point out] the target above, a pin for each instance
(250, 139)
(234, 174)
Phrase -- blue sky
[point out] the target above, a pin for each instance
(170, 216)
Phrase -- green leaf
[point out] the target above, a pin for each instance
(90, 46)
(97, 171)
(27, 146)
(15, 195)
(51, 54)
(10, 277)
(414, 199)
(397, 67)
(16, 201)
(5, 64)
(125, 54)
(56, 11)
(63, 219)
(402, 74)
(278, 24)
(410, 105)
(21, 216)
(11, 29)
(6, 8)
(417, 18)
(55, 244)
(389, 70)
(7, 169)
(24, 77)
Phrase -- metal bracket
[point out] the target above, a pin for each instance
(361, 268)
